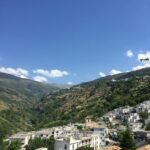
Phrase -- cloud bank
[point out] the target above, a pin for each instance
(114, 71)
(40, 79)
(144, 56)
(101, 74)
(52, 73)
(142, 64)
(19, 72)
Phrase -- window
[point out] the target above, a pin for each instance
(65, 147)
(72, 147)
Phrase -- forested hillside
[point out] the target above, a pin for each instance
(28, 105)
(94, 98)
(18, 98)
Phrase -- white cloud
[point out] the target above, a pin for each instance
(40, 79)
(114, 71)
(101, 74)
(19, 72)
(23, 76)
(129, 53)
(144, 64)
(144, 56)
(52, 73)
(69, 83)
(141, 66)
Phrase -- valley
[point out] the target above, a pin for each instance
(26, 105)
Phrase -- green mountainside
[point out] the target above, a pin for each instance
(28, 105)
(94, 98)
(18, 98)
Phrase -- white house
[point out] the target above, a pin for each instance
(23, 138)
(94, 139)
(133, 118)
(101, 134)
(67, 143)
(42, 148)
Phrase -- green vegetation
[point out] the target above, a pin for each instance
(79, 127)
(126, 140)
(85, 148)
(18, 98)
(3, 132)
(144, 115)
(29, 105)
(38, 143)
(16, 145)
(148, 127)
(95, 98)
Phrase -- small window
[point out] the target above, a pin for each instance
(65, 147)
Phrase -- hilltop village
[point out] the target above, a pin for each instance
(101, 134)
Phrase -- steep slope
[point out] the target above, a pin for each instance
(94, 98)
(18, 98)
(26, 86)
(25, 105)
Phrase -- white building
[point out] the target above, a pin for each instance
(23, 138)
(133, 118)
(95, 139)
(44, 133)
(42, 148)
(68, 143)
(143, 106)
(102, 134)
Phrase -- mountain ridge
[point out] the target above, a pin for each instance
(95, 97)
(22, 109)
(18, 98)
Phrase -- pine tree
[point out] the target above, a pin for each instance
(126, 140)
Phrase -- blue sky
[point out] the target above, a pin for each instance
(73, 40)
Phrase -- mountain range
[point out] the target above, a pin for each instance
(30, 105)
(18, 97)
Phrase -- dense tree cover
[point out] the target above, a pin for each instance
(3, 146)
(85, 148)
(95, 98)
(16, 145)
(3, 133)
(18, 98)
(148, 127)
(126, 140)
(79, 127)
(38, 142)
(22, 109)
